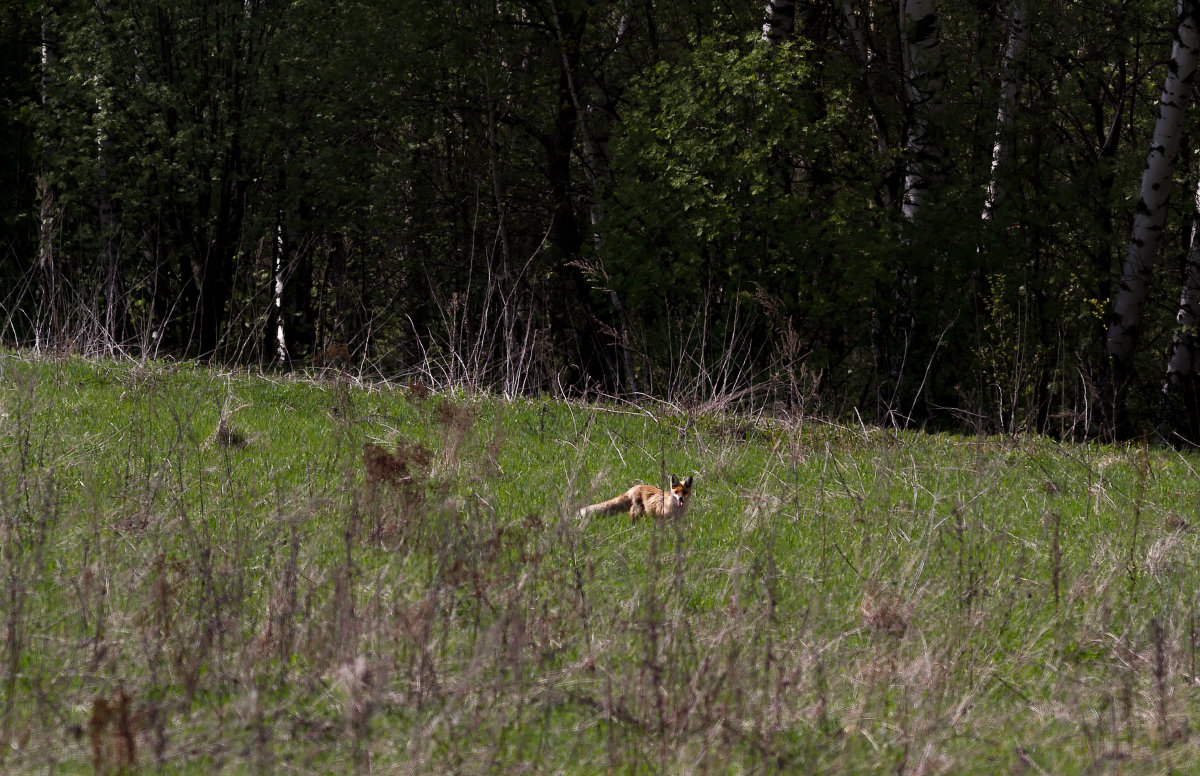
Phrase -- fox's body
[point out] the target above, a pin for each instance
(646, 500)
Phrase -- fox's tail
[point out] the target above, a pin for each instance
(610, 507)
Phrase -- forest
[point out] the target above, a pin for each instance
(967, 214)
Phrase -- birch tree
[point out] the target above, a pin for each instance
(1182, 361)
(923, 81)
(1151, 210)
(893, 332)
(780, 20)
(1010, 87)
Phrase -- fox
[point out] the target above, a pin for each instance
(646, 500)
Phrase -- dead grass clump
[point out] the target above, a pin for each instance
(112, 734)
(134, 522)
(449, 413)
(885, 612)
(407, 463)
(336, 357)
(227, 435)
(400, 482)
(455, 420)
(1163, 554)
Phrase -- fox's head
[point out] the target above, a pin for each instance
(680, 492)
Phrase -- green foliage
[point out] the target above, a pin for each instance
(738, 176)
(218, 133)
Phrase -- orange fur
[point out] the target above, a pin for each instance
(646, 500)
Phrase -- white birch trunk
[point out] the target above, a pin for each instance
(780, 20)
(281, 351)
(1156, 184)
(1182, 362)
(854, 30)
(923, 84)
(1010, 88)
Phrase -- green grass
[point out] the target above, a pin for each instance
(208, 547)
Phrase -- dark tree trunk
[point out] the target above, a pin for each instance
(566, 232)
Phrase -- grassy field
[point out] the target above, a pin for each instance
(210, 572)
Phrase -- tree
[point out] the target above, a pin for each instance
(1002, 148)
(779, 20)
(599, 112)
(923, 82)
(1180, 382)
(1151, 210)
(738, 190)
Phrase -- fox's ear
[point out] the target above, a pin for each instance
(687, 483)
(674, 481)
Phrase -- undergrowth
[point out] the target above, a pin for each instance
(205, 572)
